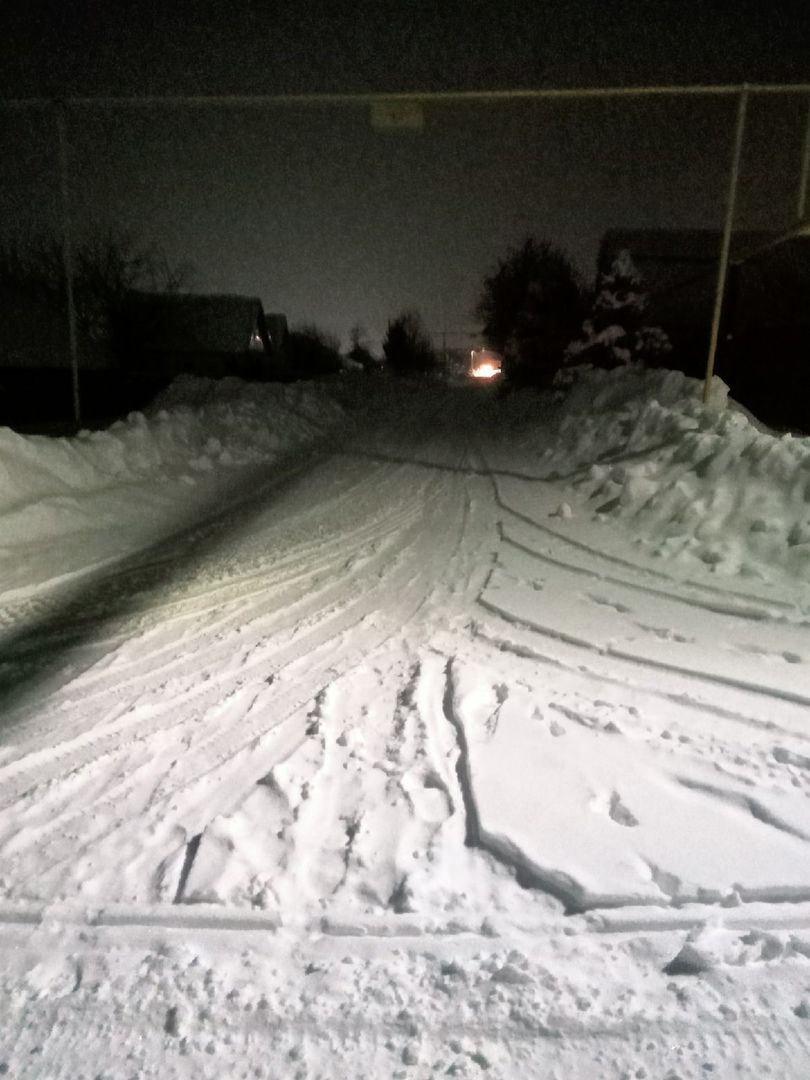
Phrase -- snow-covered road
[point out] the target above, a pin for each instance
(409, 754)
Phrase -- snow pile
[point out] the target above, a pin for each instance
(692, 481)
(144, 476)
(194, 426)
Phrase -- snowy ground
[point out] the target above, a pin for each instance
(350, 730)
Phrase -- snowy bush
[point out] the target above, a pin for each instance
(615, 333)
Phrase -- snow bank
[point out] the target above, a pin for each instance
(195, 425)
(144, 475)
(692, 481)
(700, 484)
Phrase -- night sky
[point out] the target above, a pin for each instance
(334, 222)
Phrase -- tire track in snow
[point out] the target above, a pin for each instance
(125, 585)
(299, 593)
(747, 612)
(717, 679)
(732, 603)
(751, 602)
(54, 761)
(105, 675)
(504, 636)
(253, 726)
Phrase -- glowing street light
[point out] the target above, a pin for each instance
(484, 364)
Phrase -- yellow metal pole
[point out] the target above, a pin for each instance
(425, 97)
(801, 205)
(67, 261)
(725, 247)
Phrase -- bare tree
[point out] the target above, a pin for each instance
(106, 266)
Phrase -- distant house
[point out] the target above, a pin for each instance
(764, 346)
(212, 335)
(149, 338)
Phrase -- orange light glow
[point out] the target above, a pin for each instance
(486, 370)
(484, 364)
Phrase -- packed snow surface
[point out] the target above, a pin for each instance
(369, 729)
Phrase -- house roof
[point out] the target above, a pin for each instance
(667, 257)
(192, 322)
(679, 272)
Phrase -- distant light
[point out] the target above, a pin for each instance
(486, 370)
(484, 364)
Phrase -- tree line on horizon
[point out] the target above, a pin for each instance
(534, 308)
(539, 315)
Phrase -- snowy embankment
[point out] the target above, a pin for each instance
(479, 748)
(689, 482)
(67, 504)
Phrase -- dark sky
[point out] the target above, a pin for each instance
(334, 222)
(213, 46)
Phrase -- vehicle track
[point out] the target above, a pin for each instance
(269, 684)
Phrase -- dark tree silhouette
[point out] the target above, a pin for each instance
(359, 351)
(407, 346)
(313, 352)
(105, 267)
(531, 308)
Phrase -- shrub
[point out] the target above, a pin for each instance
(359, 353)
(313, 352)
(407, 346)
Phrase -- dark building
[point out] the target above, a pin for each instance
(212, 335)
(35, 362)
(142, 344)
(764, 345)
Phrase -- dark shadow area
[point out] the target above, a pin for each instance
(192, 847)
(35, 656)
(41, 402)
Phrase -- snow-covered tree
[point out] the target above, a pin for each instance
(616, 333)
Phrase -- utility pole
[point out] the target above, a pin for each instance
(801, 205)
(67, 259)
(722, 270)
